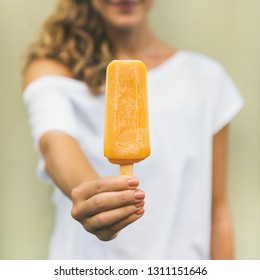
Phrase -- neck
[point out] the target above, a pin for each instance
(132, 43)
(139, 43)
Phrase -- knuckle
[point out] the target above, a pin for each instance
(75, 213)
(88, 226)
(75, 193)
(99, 203)
(101, 220)
(99, 186)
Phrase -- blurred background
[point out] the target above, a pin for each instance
(226, 30)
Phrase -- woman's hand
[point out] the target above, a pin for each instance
(107, 205)
(103, 206)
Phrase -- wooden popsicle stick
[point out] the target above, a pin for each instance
(127, 169)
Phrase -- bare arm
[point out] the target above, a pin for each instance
(65, 162)
(222, 233)
(103, 206)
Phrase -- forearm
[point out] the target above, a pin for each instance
(65, 162)
(222, 244)
(221, 234)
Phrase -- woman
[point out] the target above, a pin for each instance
(191, 102)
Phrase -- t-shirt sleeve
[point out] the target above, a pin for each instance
(49, 108)
(227, 101)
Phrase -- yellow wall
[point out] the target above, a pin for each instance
(226, 30)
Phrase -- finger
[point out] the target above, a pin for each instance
(111, 232)
(108, 184)
(108, 218)
(107, 201)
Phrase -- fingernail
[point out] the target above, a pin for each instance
(133, 182)
(139, 204)
(140, 212)
(138, 194)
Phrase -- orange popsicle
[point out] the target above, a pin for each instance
(126, 138)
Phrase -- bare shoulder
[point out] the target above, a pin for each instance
(44, 67)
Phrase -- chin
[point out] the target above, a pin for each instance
(127, 22)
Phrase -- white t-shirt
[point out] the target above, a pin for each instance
(190, 99)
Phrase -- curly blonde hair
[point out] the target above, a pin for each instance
(74, 35)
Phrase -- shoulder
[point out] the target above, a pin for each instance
(44, 67)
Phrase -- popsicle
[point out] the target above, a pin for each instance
(126, 136)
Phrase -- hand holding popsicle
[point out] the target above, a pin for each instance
(107, 205)
(126, 138)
